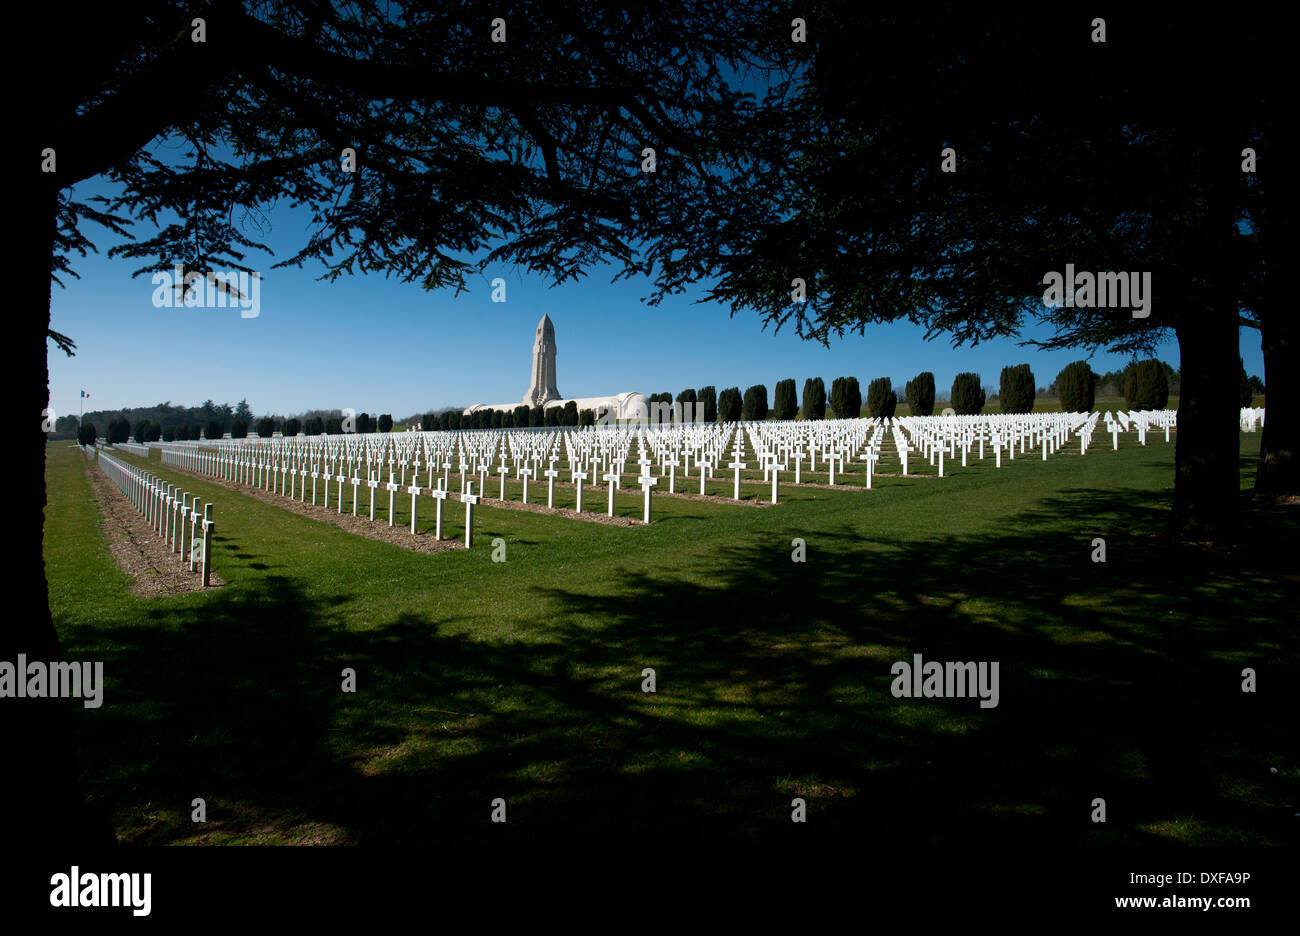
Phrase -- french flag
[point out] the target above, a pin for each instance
(85, 395)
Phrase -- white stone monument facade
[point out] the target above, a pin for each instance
(543, 391)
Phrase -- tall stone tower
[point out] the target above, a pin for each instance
(542, 388)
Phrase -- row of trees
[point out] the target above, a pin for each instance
(521, 417)
(1145, 384)
(177, 418)
(1145, 387)
(212, 421)
(367, 423)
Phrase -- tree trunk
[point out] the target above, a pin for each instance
(1207, 474)
(1279, 471)
(39, 734)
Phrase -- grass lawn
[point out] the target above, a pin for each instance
(522, 679)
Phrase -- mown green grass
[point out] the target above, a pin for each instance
(522, 679)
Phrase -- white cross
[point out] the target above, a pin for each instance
(579, 477)
(612, 478)
(440, 494)
(551, 475)
(469, 499)
(372, 484)
(185, 512)
(647, 482)
(392, 487)
(526, 473)
(671, 465)
(737, 464)
(415, 492)
(776, 470)
(168, 497)
(195, 520)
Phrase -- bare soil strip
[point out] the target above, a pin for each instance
(139, 551)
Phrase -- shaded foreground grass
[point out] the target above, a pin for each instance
(523, 679)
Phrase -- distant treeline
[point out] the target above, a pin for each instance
(1142, 384)
(210, 420)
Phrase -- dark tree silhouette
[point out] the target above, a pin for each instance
(881, 400)
(1147, 388)
(920, 394)
(1016, 389)
(730, 405)
(1076, 385)
(967, 396)
(814, 398)
(527, 152)
(1127, 156)
(707, 397)
(785, 400)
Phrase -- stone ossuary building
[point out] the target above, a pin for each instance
(542, 389)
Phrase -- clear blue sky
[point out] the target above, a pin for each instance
(380, 346)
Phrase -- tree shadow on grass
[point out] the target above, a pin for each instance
(1119, 680)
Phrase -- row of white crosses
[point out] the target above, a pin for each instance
(839, 443)
(1140, 421)
(942, 436)
(266, 463)
(593, 455)
(939, 439)
(284, 466)
(1252, 416)
(171, 513)
(778, 446)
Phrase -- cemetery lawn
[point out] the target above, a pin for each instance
(523, 679)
